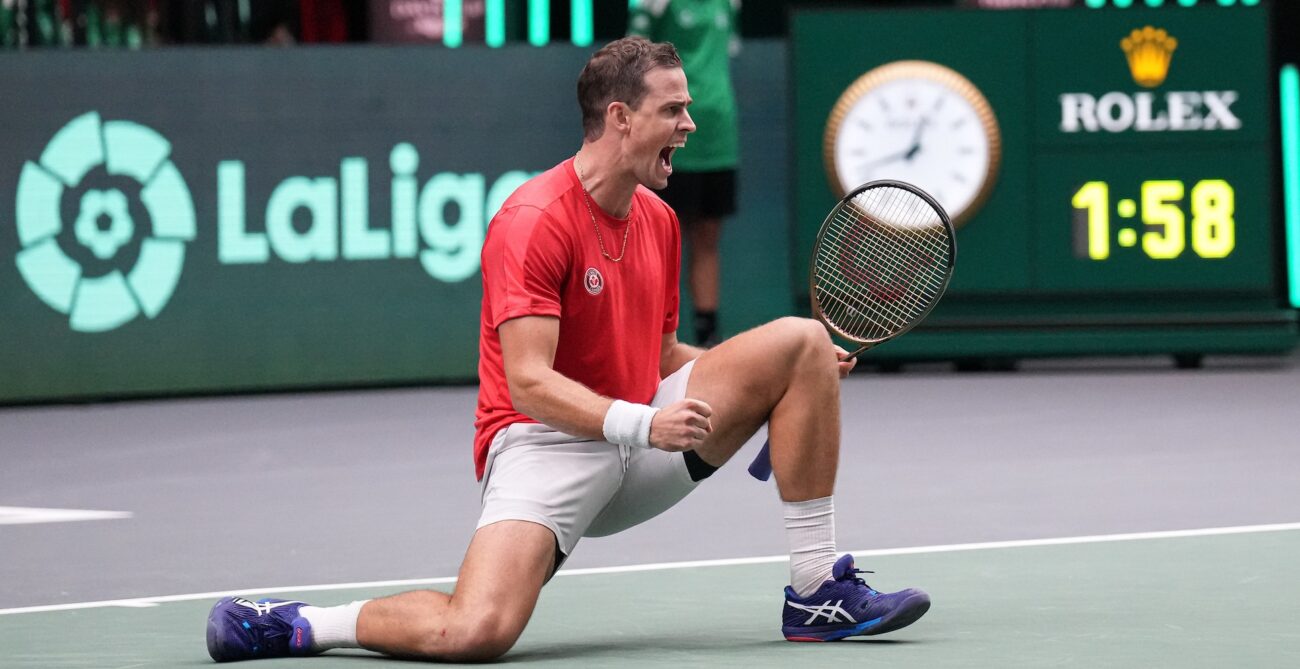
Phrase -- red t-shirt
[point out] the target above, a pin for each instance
(542, 258)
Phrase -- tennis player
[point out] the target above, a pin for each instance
(592, 417)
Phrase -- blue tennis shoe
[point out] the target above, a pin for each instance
(846, 606)
(241, 629)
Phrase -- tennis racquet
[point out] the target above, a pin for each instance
(882, 259)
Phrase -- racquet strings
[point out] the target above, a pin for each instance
(881, 263)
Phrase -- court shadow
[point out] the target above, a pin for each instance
(851, 641)
(656, 648)
(878, 642)
(661, 648)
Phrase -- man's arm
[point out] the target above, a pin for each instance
(673, 354)
(538, 391)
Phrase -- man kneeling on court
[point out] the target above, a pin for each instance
(592, 417)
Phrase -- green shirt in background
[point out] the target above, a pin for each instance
(705, 34)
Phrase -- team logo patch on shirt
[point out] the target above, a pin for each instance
(594, 281)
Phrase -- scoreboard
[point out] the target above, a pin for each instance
(1115, 175)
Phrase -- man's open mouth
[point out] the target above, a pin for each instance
(666, 156)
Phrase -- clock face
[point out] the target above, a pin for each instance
(911, 126)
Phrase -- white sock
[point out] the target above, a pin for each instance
(810, 527)
(333, 626)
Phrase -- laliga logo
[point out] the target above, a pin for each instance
(1149, 52)
(128, 153)
(124, 202)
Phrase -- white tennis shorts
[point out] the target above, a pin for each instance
(582, 487)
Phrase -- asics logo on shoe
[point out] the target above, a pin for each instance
(262, 608)
(832, 612)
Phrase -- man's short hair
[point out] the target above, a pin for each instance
(617, 73)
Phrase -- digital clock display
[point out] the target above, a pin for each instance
(1162, 220)
(1165, 221)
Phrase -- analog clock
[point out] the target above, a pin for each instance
(918, 122)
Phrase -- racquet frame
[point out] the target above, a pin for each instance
(868, 344)
(761, 467)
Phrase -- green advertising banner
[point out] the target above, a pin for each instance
(193, 220)
(1106, 169)
(214, 220)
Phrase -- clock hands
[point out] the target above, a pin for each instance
(916, 138)
(907, 154)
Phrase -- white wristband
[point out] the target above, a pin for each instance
(629, 424)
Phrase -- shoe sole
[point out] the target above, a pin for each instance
(907, 613)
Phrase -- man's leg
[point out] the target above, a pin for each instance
(704, 235)
(787, 372)
(504, 570)
(541, 490)
(784, 373)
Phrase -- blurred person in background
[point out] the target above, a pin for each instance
(271, 22)
(31, 23)
(228, 21)
(703, 188)
(109, 23)
(137, 23)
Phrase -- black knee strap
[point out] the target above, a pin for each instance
(698, 468)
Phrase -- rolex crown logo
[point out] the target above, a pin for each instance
(1149, 51)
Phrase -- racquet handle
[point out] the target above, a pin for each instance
(761, 467)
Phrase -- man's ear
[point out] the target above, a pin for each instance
(618, 115)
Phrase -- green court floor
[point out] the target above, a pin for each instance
(1211, 601)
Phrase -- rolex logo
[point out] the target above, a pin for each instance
(1149, 51)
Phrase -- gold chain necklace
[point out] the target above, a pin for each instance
(586, 199)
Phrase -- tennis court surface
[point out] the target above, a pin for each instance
(1068, 514)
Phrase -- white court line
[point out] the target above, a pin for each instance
(142, 602)
(26, 515)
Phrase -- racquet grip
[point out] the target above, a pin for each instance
(761, 467)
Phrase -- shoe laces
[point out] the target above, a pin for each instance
(853, 574)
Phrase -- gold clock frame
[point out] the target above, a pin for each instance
(917, 69)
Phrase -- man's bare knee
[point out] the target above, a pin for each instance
(794, 327)
(806, 335)
(485, 644)
(485, 636)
